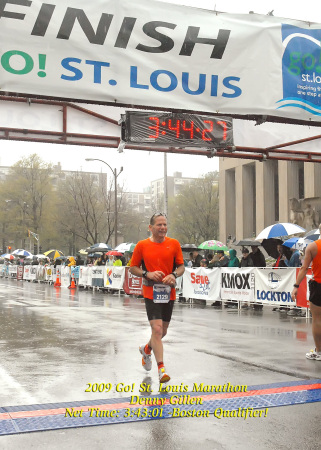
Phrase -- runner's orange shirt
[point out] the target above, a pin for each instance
(164, 256)
(316, 263)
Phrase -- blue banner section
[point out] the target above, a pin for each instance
(301, 69)
(75, 271)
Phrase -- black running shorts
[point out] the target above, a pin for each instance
(315, 292)
(161, 311)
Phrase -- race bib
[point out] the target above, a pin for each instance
(161, 293)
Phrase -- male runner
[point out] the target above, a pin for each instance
(312, 254)
(159, 260)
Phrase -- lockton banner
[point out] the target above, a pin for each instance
(160, 55)
(274, 286)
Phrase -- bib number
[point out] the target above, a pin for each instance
(161, 293)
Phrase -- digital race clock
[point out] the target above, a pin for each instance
(176, 129)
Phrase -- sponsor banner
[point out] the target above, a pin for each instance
(26, 273)
(237, 284)
(201, 283)
(159, 54)
(179, 286)
(83, 276)
(41, 273)
(303, 291)
(49, 273)
(97, 276)
(64, 276)
(132, 285)
(274, 286)
(20, 273)
(32, 273)
(2, 270)
(75, 271)
(55, 273)
(114, 277)
(13, 271)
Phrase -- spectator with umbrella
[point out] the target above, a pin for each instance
(246, 260)
(118, 261)
(257, 257)
(197, 258)
(294, 260)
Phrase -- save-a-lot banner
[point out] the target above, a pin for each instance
(156, 54)
(202, 284)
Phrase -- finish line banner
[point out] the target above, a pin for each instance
(156, 54)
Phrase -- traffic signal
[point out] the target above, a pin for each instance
(9, 249)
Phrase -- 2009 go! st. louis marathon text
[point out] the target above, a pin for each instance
(152, 407)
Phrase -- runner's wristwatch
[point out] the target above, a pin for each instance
(175, 274)
(144, 274)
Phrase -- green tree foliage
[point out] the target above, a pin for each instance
(194, 213)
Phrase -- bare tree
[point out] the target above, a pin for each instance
(27, 199)
(194, 213)
(88, 208)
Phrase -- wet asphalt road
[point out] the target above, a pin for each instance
(55, 342)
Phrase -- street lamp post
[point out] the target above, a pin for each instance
(115, 174)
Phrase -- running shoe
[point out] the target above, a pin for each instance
(163, 376)
(313, 355)
(147, 358)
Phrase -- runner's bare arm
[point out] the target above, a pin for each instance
(309, 255)
(171, 279)
(154, 276)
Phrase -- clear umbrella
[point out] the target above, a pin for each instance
(125, 247)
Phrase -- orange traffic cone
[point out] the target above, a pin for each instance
(57, 282)
(73, 284)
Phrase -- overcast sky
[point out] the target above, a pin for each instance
(73, 158)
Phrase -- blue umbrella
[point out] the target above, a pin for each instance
(298, 243)
(280, 229)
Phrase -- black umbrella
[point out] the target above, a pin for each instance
(100, 247)
(270, 246)
(247, 242)
(189, 247)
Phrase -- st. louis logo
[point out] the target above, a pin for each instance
(301, 69)
(273, 280)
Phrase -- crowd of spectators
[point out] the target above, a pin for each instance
(255, 258)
